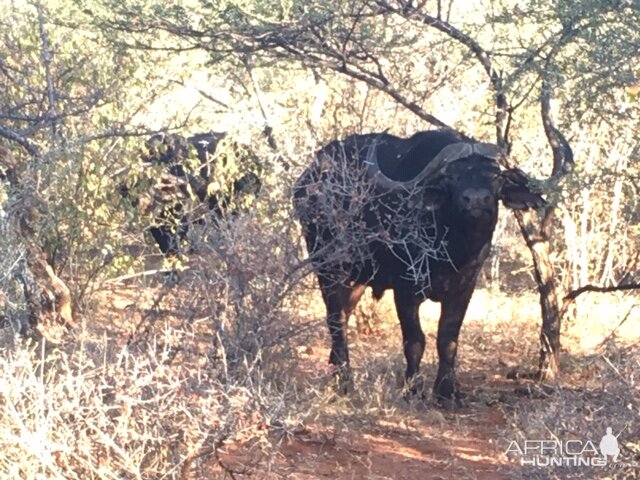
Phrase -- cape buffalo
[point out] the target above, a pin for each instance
(185, 184)
(413, 215)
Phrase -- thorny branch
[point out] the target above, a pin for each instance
(344, 205)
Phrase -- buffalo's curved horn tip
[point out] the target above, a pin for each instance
(489, 150)
(373, 169)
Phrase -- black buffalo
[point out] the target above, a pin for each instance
(413, 215)
(188, 170)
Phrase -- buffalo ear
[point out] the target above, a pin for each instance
(520, 197)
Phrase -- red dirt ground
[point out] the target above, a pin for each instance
(389, 438)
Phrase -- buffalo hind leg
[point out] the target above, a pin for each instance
(165, 240)
(451, 317)
(407, 307)
(340, 300)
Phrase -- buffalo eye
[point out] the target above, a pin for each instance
(432, 198)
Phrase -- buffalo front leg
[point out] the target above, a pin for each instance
(340, 300)
(407, 306)
(451, 317)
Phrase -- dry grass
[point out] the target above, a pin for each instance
(99, 410)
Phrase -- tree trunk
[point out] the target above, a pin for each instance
(538, 242)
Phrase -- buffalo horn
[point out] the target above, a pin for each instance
(447, 155)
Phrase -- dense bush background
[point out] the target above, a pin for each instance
(163, 374)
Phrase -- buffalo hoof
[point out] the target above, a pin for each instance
(343, 381)
(415, 389)
(456, 402)
(448, 394)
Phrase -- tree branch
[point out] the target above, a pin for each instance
(359, 73)
(562, 153)
(47, 57)
(570, 297)
(573, 294)
(31, 148)
(257, 90)
(482, 55)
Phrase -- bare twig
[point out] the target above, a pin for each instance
(146, 273)
(613, 332)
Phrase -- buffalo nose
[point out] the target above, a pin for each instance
(476, 198)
